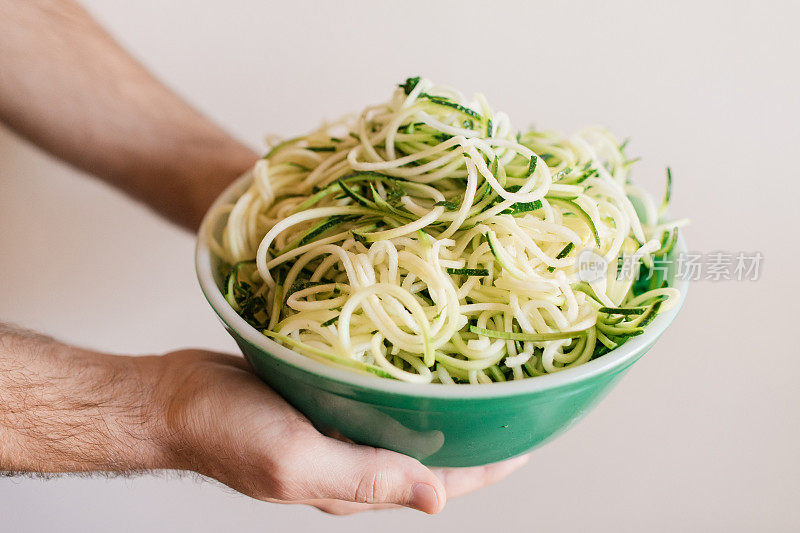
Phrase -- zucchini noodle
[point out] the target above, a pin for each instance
(425, 240)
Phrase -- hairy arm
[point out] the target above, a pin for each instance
(66, 409)
(69, 88)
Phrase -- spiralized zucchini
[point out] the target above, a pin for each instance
(428, 241)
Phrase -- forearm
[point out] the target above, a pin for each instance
(68, 87)
(64, 409)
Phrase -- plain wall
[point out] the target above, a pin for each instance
(702, 435)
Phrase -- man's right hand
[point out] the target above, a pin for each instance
(223, 422)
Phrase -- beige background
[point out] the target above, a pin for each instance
(702, 435)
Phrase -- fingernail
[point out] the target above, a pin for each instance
(424, 498)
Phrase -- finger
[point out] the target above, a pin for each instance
(460, 481)
(338, 507)
(361, 474)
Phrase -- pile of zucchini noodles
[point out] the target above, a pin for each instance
(427, 241)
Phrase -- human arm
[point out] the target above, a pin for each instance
(66, 409)
(68, 87)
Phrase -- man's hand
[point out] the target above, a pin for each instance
(225, 423)
(69, 88)
(64, 409)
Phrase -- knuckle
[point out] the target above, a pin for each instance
(286, 469)
(374, 484)
(283, 478)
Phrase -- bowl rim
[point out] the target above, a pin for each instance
(619, 357)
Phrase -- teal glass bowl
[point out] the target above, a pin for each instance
(441, 425)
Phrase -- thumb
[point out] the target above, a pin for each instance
(362, 474)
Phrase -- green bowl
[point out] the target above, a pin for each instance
(441, 425)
